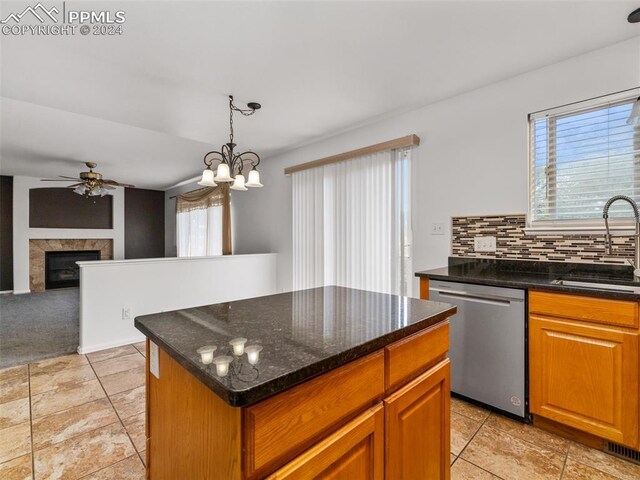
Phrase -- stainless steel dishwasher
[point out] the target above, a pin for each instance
(488, 348)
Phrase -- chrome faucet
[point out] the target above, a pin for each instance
(605, 214)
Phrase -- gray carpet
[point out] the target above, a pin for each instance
(35, 326)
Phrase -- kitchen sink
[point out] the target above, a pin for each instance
(598, 286)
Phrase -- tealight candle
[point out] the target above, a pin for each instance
(253, 353)
(222, 365)
(238, 345)
(206, 353)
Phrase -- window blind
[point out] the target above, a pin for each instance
(580, 156)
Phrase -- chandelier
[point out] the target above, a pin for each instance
(231, 165)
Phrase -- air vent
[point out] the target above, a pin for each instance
(623, 452)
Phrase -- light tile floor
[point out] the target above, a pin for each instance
(83, 417)
(72, 417)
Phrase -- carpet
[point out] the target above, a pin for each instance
(35, 326)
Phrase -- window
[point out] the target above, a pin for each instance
(351, 224)
(203, 222)
(580, 156)
(200, 232)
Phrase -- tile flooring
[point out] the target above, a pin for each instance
(83, 417)
(77, 416)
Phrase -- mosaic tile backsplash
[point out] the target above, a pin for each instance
(512, 242)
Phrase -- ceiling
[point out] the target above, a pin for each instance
(147, 105)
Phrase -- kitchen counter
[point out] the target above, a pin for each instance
(345, 377)
(303, 334)
(527, 274)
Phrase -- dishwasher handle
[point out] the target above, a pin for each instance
(472, 297)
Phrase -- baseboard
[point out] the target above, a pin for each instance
(21, 292)
(82, 350)
(4, 292)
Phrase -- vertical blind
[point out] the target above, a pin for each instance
(579, 158)
(350, 224)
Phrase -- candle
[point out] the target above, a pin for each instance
(253, 353)
(238, 345)
(222, 365)
(206, 353)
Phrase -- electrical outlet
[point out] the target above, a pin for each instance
(437, 229)
(484, 244)
(126, 313)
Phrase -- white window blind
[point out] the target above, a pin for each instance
(351, 224)
(580, 156)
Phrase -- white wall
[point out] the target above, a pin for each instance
(22, 233)
(156, 285)
(472, 159)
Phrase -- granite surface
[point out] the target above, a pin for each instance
(539, 275)
(303, 334)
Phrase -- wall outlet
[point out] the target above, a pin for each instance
(484, 244)
(437, 229)
(126, 313)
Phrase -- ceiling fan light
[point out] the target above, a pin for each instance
(238, 183)
(207, 178)
(222, 174)
(79, 190)
(254, 179)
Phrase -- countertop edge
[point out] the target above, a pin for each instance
(528, 286)
(290, 380)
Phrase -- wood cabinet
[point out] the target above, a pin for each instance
(417, 427)
(356, 451)
(373, 418)
(584, 370)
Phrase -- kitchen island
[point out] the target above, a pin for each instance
(329, 382)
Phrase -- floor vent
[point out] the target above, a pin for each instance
(623, 452)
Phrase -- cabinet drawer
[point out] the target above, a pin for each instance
(281, 427)
(355, 452)
(411, 356)
(606, 311)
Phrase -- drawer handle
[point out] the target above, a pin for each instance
(488, 299)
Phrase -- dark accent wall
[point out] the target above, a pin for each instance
(6, 232)
(143, 223)
(61, 208)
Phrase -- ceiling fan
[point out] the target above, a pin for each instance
(91, 184)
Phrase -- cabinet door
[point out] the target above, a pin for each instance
(355, 452)
(585, 376)
(417, 427)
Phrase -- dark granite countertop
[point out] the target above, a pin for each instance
(527, 274)
(303, 334)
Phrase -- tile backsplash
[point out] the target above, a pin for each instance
(513, 242)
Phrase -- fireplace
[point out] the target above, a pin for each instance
(61, 270)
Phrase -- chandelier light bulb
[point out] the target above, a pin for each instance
(238, 183)
(254, 179)
(238, 345)
(222, 365)
(253, 353)
(206, 353)
(207, 178)
(222, 174)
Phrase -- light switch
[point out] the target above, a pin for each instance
(437, 229)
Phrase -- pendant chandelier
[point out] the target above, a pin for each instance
(231, 165)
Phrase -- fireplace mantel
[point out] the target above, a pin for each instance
(37, 249)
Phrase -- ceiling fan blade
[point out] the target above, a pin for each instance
(58, 180)
(72, 178)
(118, 184)
(75, 185)
(109, 187)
